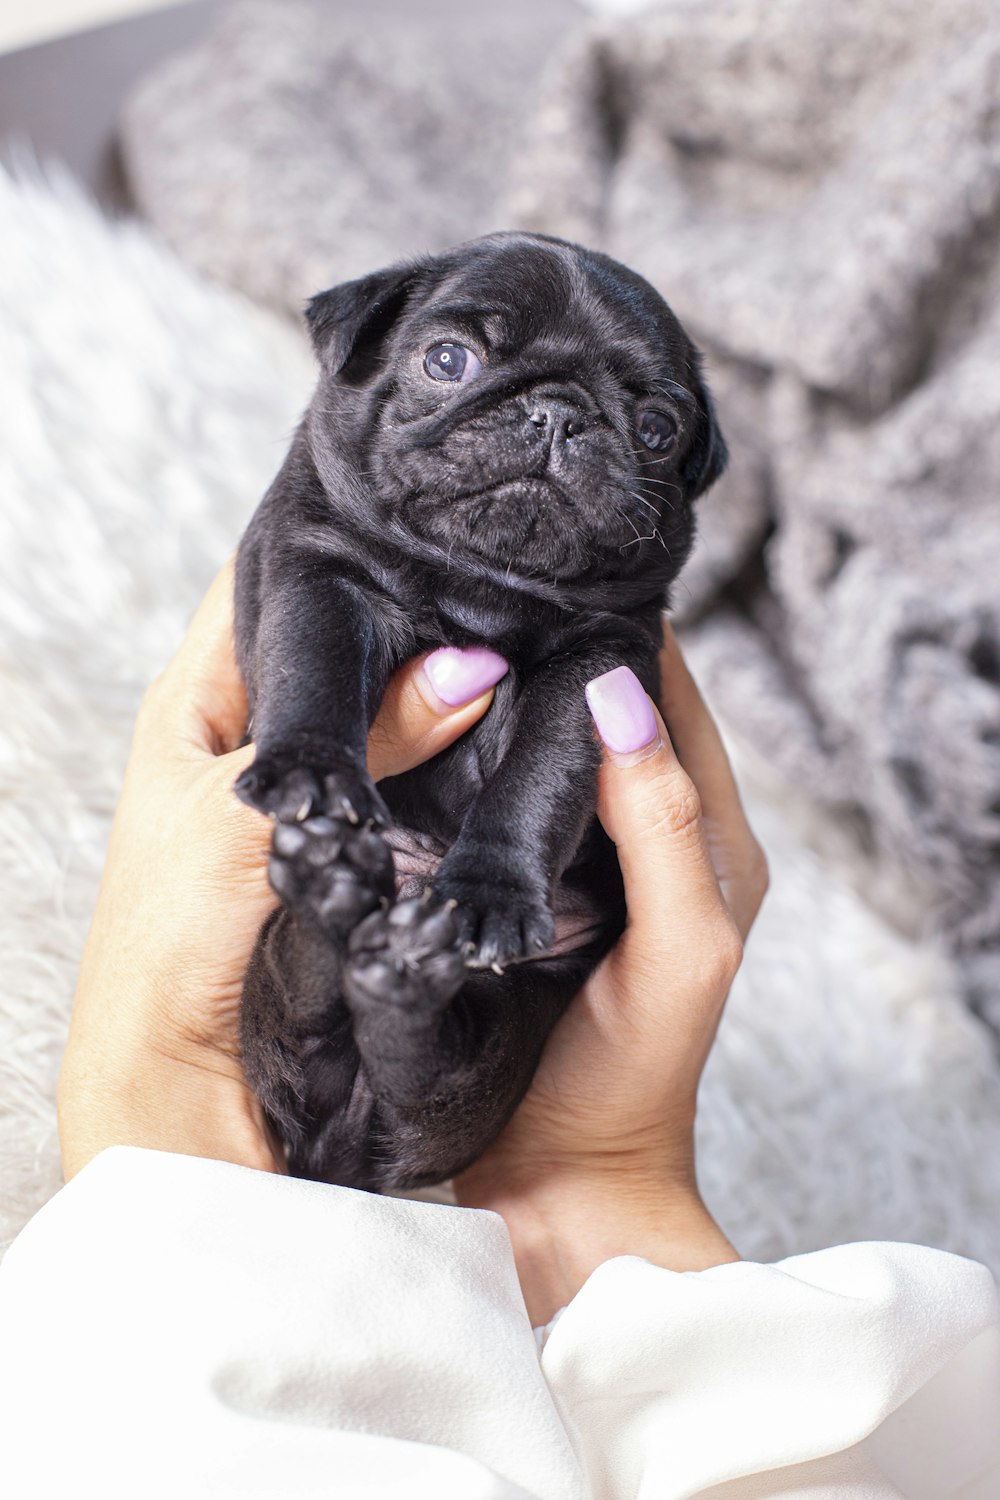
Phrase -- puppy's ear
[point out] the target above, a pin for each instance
(708, 455)
(354, 315)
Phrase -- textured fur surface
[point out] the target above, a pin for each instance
(850, 1097)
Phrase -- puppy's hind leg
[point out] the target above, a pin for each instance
(446, 1092)
(329, 873)
(404, 966)
(346, 999)
(299, 1053)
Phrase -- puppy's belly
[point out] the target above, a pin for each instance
(416, 857)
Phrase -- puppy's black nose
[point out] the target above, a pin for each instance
(562, 419)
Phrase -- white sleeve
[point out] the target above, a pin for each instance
(178, 1327)
(869, 1371)
(171, 1326)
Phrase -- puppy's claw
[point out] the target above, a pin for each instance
(304, 811)
(497, 969)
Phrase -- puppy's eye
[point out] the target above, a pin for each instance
(451, 362)
(656, 430)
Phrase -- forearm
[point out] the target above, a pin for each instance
(537, 804)
(311, 657)
(565, 1224)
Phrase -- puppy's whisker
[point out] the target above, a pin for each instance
(667, 484)
(654, 535)
(638, 538)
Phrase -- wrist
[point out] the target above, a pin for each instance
(162, 1105)
(565, 1222)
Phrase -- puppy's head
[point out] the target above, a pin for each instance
(521, 399)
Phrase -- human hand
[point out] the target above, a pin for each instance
(153, 1053)
(599, 1158)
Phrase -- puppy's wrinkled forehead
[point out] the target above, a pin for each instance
(521, 398)
(514, 293)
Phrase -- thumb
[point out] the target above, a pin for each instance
(650, 808)
(201, 692)
(429, 703)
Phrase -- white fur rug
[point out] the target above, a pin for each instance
(142, 412)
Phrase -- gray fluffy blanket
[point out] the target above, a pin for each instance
(816, 190)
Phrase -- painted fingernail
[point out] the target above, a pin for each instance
(621, 711)
(459, 674)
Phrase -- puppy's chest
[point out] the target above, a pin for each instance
(523, 630)
(434, 797)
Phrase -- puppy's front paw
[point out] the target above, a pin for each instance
(501, 913)
(332, 873)
(292, 785)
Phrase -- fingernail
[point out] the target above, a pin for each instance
(459, 674)
(621, 711)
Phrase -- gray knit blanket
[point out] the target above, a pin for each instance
(816, 190)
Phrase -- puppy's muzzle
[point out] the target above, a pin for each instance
(557, 419)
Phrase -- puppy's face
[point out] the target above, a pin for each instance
(523, 400)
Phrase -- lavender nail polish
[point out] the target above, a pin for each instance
(621, 711)
(459, 674)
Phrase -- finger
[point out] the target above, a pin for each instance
(695, 734)
(241, 837)
(200, 698)
(651, 809)
(738, 858)
(429, 703)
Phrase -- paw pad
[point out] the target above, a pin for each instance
(408, 955)
(331, 872)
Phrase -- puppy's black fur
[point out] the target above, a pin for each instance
(541, 504)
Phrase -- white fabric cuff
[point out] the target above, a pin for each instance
(176, 1326)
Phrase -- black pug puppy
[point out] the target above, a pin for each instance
(503, 449)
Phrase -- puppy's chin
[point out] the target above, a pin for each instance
(529, 525)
